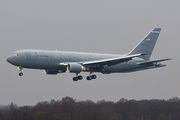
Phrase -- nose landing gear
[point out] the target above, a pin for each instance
(20, 74)
(20, 70)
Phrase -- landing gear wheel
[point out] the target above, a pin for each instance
(89, 78)
(20, 74)
(94, 76)
(80, 77)
(75, 78)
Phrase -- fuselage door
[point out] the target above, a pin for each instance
(28, 56)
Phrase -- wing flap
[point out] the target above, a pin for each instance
(153, 61)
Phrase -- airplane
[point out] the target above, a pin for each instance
(54, 62)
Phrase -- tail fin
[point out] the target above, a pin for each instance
(147, 44)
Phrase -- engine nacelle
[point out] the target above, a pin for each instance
(47, 71)
(76, 68)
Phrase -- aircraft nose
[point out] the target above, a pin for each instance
(9, 59)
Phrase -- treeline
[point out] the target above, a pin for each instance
(69, 109)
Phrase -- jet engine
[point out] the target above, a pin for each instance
(76, 68)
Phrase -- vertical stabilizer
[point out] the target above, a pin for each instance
(147, 44)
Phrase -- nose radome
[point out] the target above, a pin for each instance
(9, 59)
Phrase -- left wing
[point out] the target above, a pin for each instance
(111, 61)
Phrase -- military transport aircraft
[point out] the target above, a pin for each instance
(54, 62)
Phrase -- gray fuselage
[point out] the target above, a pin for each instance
(43, 59)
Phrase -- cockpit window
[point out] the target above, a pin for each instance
(15, 54)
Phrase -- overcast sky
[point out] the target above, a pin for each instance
(100, 26)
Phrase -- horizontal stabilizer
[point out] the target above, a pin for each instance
(146, 68)
(153, 61)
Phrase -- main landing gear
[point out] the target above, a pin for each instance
(77, 77)
(20, 70)
(91, 77)
(80, 77)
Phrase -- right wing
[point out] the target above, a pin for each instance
(109, 62)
